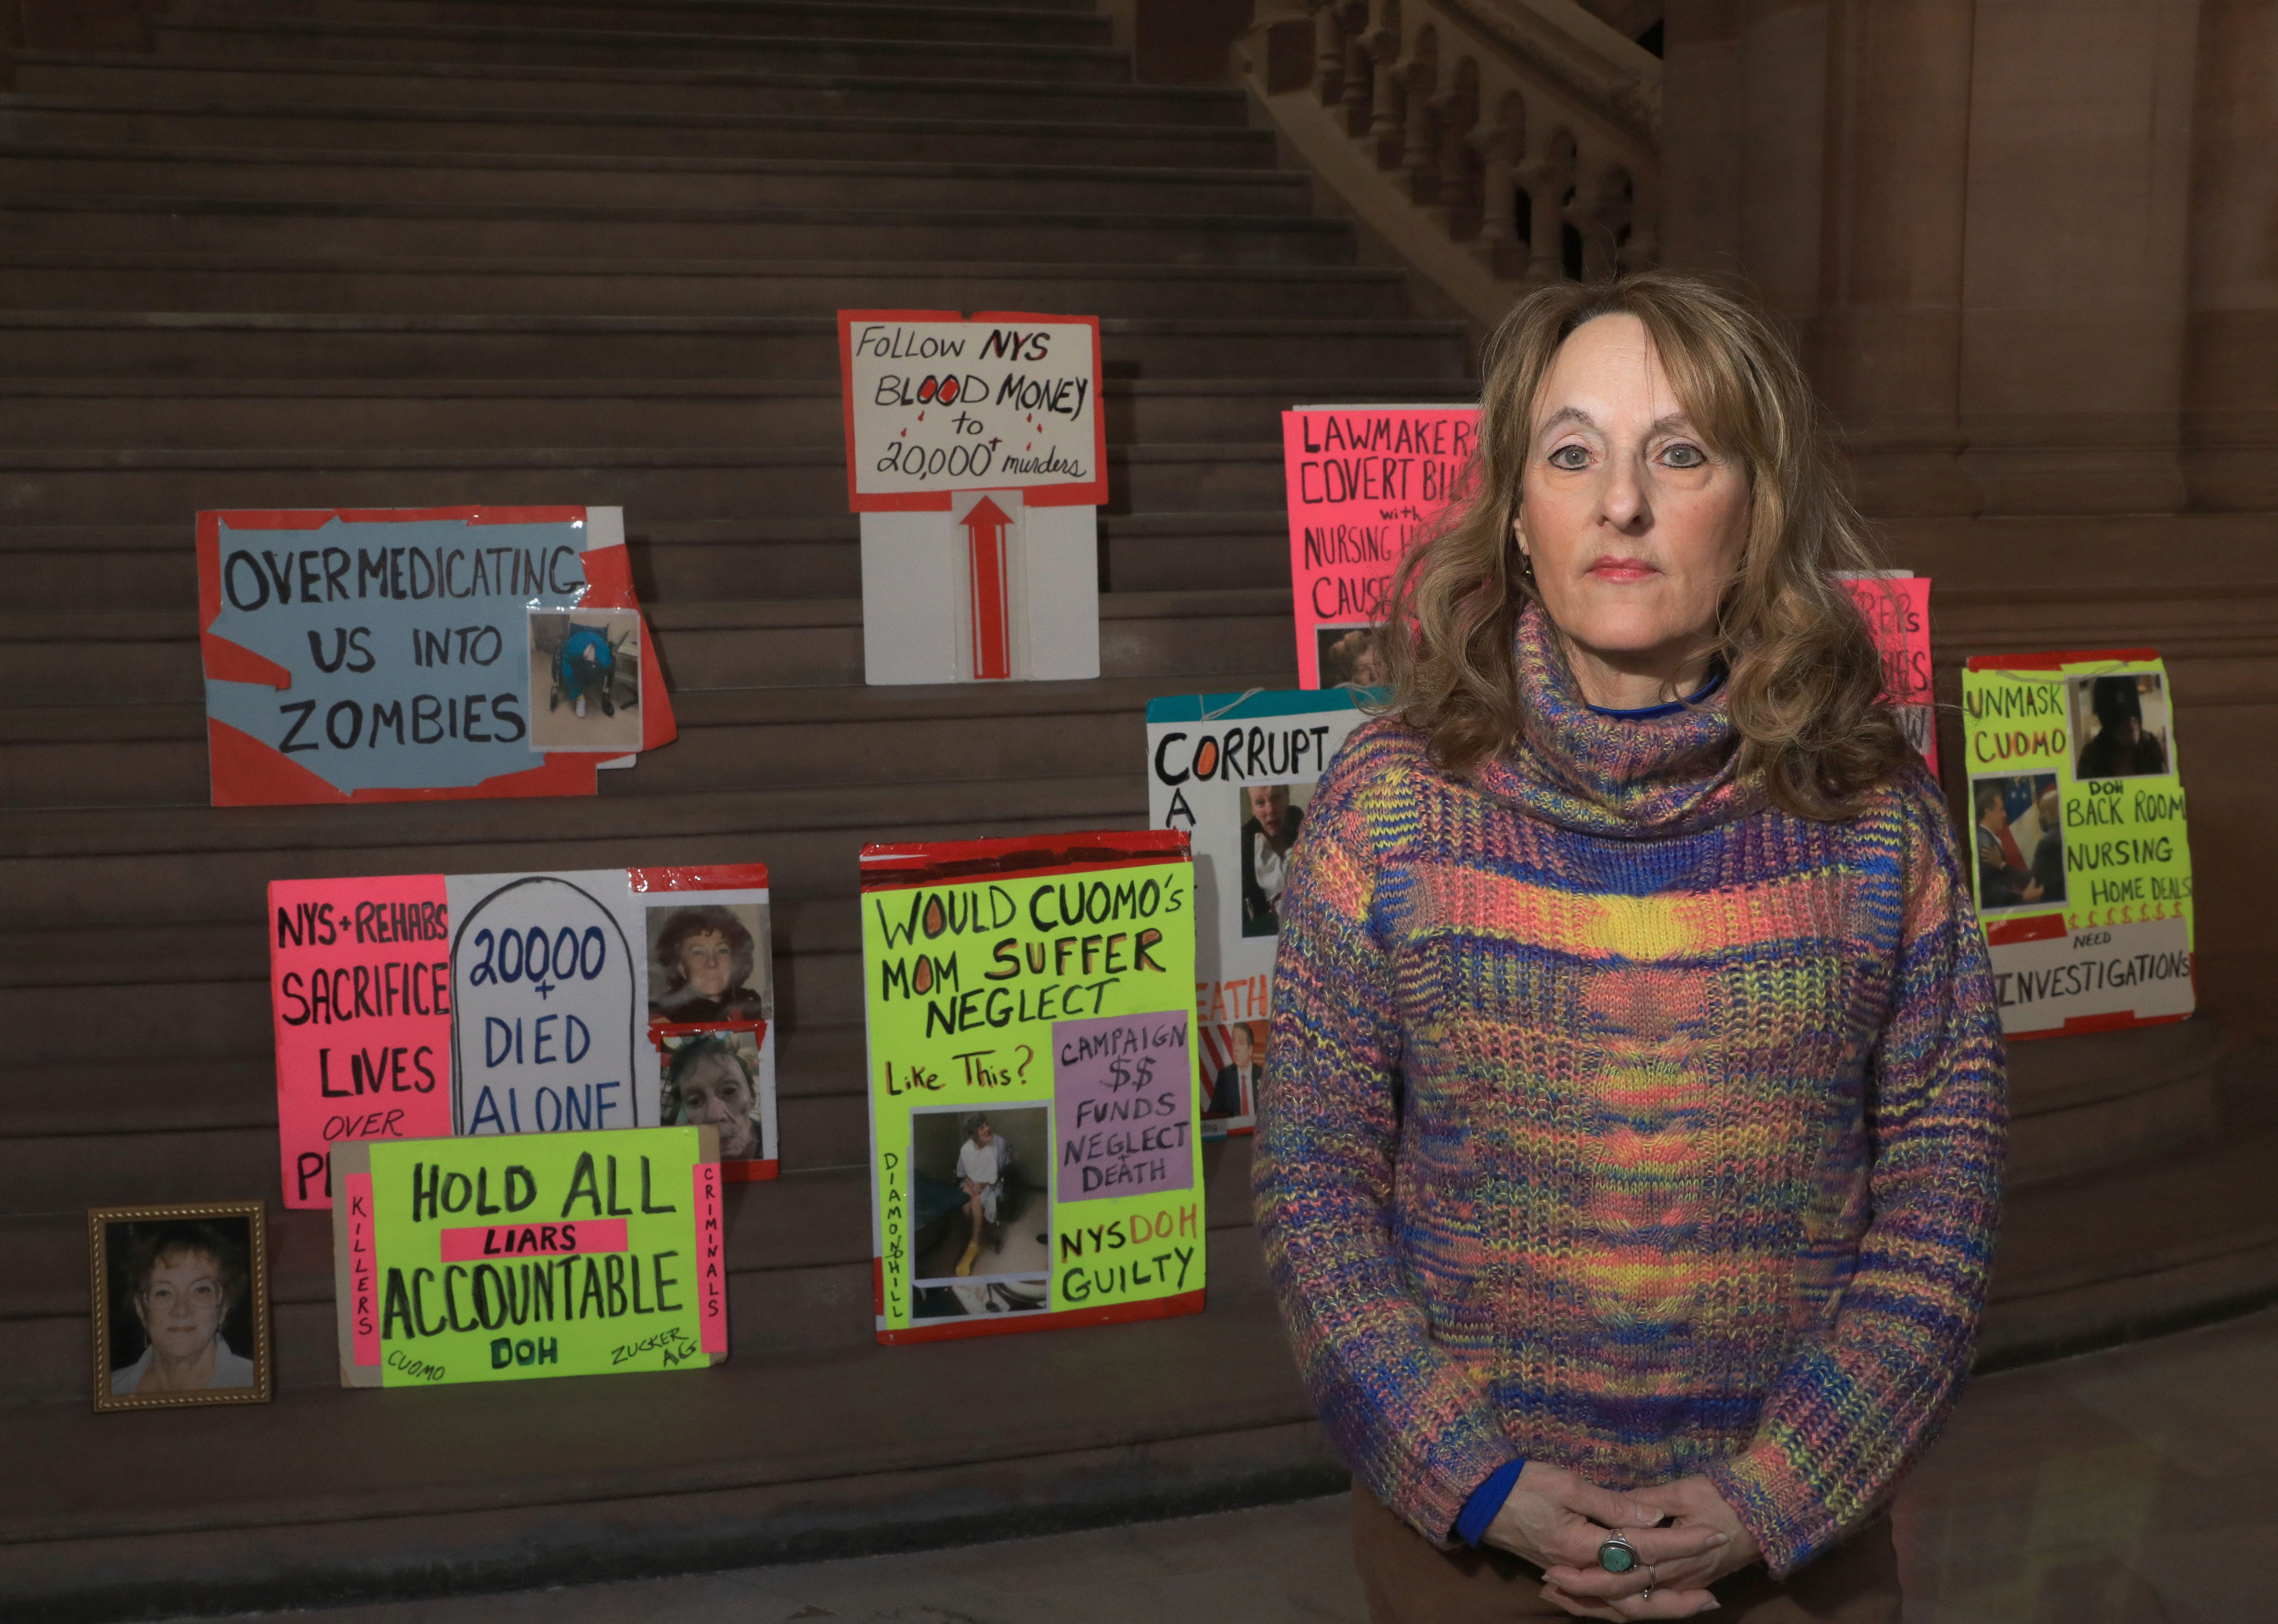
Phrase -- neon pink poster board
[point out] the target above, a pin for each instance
(360, 991)
(1897, 607)
(1365, 483)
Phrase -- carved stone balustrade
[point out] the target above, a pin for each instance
(1496, 144)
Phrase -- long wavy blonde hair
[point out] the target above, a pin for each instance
(1804, 679)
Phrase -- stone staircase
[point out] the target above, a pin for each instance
(424, 252)
(398, 254)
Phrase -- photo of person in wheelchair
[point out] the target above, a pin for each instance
(585, 667)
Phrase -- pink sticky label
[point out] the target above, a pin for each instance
(364, 1273)
(573, 1238)
(1897, 608)
(360, 986)
(712, 1260)
(1365, 483)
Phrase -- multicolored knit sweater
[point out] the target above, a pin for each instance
(1618, 1119)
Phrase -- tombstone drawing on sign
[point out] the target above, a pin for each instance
(976, 460)
(547, 993)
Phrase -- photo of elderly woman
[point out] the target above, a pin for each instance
(707, 963)
(182, 1315)
(713, 1077)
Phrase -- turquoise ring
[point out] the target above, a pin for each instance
(1617, 1555)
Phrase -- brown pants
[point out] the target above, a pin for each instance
(1411, 1581)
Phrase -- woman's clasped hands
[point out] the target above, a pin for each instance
(1557, 1520)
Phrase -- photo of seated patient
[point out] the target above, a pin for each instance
(183, 1316)
(981, 1211)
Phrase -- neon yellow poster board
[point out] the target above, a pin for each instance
(507, 1259)
(2080, 862)
(1034, 1159)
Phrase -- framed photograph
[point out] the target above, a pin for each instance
(180, 1304)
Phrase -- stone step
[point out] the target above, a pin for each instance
(522, 180)
(150, 567)
(154, 755)
(190, 864)
(648, 1491)
(810, 1222)
(63, 487)
(624, 88)
(241, 344)
(558, 284)
(960, 21)
(508, 46)
(805, 1235)
(144, 659)
(205, 985)
(53, 1132)
(100, 1160)
(207, 226)
(242, 413)
(622, 133)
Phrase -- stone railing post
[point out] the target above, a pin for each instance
(1416, 86)
(1279, 45)
(1545, 262)
(1385, 121)
(1328, 52)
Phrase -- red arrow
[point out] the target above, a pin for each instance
(991, 655)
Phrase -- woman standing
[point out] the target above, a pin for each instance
(1630, 1147)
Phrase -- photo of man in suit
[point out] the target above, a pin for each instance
(1234, 1092)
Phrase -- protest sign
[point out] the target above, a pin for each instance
(711, 1006)
(2081, 862)
(937, 403)
(360, 990)
(408, 1005)
(1365, 484)
(976, 455)
(1896, 606)
(421, 653)
(1034, 1158)
(1235, 774)
(486, 1259)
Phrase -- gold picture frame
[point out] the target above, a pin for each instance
(203, 1249)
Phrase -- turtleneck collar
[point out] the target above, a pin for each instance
(1633, 776)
